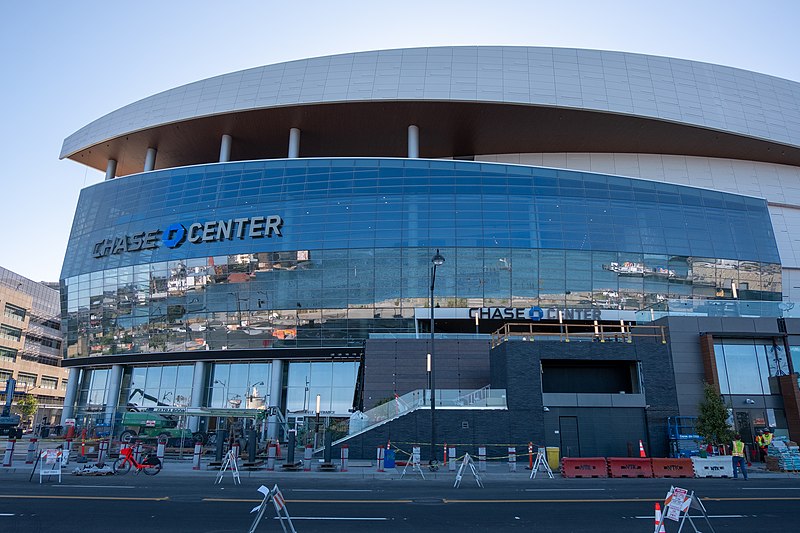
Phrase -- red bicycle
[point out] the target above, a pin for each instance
(150, 465)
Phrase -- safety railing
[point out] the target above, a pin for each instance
(484, 398)
(531, 331)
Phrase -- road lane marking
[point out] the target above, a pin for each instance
(244, 500)
(72, 497)
(558, 490)
(99, 486)
(330, 490)
(7, 514)
(650, 517)
(361, 518)
(528, 500)
(769, 488)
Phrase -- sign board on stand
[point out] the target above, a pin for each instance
(50, 464)
(677, 505)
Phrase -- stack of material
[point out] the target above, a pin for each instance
(787, 455)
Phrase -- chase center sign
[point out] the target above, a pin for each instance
(176, 234)
(534, 313)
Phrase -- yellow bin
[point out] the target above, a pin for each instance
(553, 457)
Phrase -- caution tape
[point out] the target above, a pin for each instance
(460, 457)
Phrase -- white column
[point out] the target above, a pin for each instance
(150, 159)
(225, 148)
(198, 392)
(294, 143)
(413, 142)
(112, 399)
(111, 169)
(72, 392)
(275, 390)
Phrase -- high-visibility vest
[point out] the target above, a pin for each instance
(738, 448)
(767, 439)
(760, 440)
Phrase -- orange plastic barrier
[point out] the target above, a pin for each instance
(672, 467)
(584, 467)
(630, 467)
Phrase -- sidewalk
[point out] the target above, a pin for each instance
(495, 470)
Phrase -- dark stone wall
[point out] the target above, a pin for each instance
(465, 429)
(515, 366)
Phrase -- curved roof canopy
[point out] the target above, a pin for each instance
(466, 101)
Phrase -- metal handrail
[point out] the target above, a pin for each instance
(564, 332)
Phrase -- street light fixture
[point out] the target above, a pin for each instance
(436, 261)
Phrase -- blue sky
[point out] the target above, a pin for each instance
(65, 64)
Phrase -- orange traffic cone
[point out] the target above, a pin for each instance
(656, 529)
(641, 449)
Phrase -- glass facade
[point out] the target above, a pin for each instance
(745, 366)
(355, 243)
(334, 382)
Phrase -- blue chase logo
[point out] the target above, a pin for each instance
(535, 313)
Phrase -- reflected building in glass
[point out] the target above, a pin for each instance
(263, 236)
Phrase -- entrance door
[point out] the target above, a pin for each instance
(744, 427)
(568, 430)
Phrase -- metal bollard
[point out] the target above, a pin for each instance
(160, 451)
(198, 449)
(380, 458)
(67, 450)
(290, 448)
(271, 453)
(235, 449)
(8, 458)
(307, 458)
(33, 446)
(451, 464)
(345, 452)
(101, 452)
(252, 443)
(482, 458)
(512, 459)
(122, 447)
(137, 451)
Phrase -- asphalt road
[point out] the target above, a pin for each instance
(334, 502)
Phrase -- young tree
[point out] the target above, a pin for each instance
(27, 405)
(712, 424)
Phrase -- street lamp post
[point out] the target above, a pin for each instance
(436, 261)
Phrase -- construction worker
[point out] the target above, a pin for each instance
(737, 455)
(766, 440)
(760, 444)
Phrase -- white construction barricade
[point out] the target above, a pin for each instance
(379, 460)
(345, 454)
(198, 449)
(451, 463)
(33, 447)
(467, 463)
(279, 503)
(50, 464)
(229, 463)
(540, 463)
(414, 461)
(272, 453)
(309, 452)
(677, 506)
(713, 466)
(8, 458)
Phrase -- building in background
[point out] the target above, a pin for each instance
(265, 237)
(30, 344)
